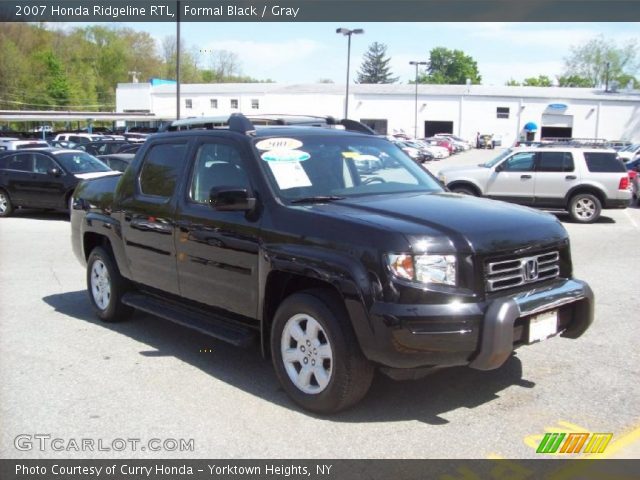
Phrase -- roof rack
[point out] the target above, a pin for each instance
(574, 142)
(246, 124)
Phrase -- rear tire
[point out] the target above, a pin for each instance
(106, 287)
(6, 207)
(316, 355)
(585, 208)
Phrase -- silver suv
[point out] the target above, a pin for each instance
(582, 181)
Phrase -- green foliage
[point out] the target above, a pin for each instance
(44, 68)
(375, 66)
(574, 81)
(600, 58)
(539, 81)
(450, 67)
(512, 83)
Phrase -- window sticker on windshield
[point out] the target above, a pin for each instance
(278, 144)
(285, 155)
(289, 175)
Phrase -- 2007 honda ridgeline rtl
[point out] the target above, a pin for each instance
(274, 235)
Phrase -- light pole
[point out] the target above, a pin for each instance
(417, 64)
(348, 33)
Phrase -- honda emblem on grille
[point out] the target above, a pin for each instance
(530, 269)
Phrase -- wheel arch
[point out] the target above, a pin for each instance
(586, 188)
(91, 240)
(282, 284)
(465, 183)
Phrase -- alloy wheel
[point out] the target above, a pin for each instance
(306, 354)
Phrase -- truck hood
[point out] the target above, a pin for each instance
(463, 222)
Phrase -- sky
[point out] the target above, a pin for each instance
(306, 52)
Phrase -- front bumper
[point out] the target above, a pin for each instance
(482, 335)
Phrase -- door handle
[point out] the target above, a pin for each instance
(570, 177)
(525, 176)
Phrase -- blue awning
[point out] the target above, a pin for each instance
(531, 127)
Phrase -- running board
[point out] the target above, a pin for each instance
(210, 324)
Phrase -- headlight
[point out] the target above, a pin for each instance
(437, 269)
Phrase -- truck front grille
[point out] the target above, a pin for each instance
(504, 274)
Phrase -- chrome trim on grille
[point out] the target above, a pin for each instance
(512, 273)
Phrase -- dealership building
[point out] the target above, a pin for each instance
(510, 113)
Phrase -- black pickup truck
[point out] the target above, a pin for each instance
(273, 235)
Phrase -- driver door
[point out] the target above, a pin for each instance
(513, 180)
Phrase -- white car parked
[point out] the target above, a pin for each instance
(582, 181)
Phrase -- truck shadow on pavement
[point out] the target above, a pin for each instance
(387, 401)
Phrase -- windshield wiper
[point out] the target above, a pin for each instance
(318, 199)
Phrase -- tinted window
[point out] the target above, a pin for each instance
(217, 165)
(43, 163)
(555, 162)
(520, 162)
(161, 168)
(21, 163)
(604, 162)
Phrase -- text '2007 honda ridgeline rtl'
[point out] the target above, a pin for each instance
(279, 235)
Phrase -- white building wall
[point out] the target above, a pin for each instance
(134, 96)
(590, 114)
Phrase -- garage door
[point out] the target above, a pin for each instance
(556, 126)
(432, 127)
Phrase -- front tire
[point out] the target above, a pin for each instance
(6, 207)
(315, 353)
(585, 208)
(106, 287)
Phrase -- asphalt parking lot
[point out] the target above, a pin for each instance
(65, 374)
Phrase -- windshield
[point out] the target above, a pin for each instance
(333, 167)
(81, 162)
(498, 159)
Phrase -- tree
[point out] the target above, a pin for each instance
(450, 67)
(600, 58)
(574, 81)
(539, 81)
(375, 66)
(512, 83)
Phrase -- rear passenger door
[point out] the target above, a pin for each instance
(148, 215)
(556, 174)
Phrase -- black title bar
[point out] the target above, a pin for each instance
(320, 11)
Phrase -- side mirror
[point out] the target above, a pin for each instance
(54, 172)
(499, 168)
(229, 199)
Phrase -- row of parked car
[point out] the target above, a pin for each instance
(438, 147)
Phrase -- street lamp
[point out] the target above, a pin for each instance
(348, 33)
(417, 64)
